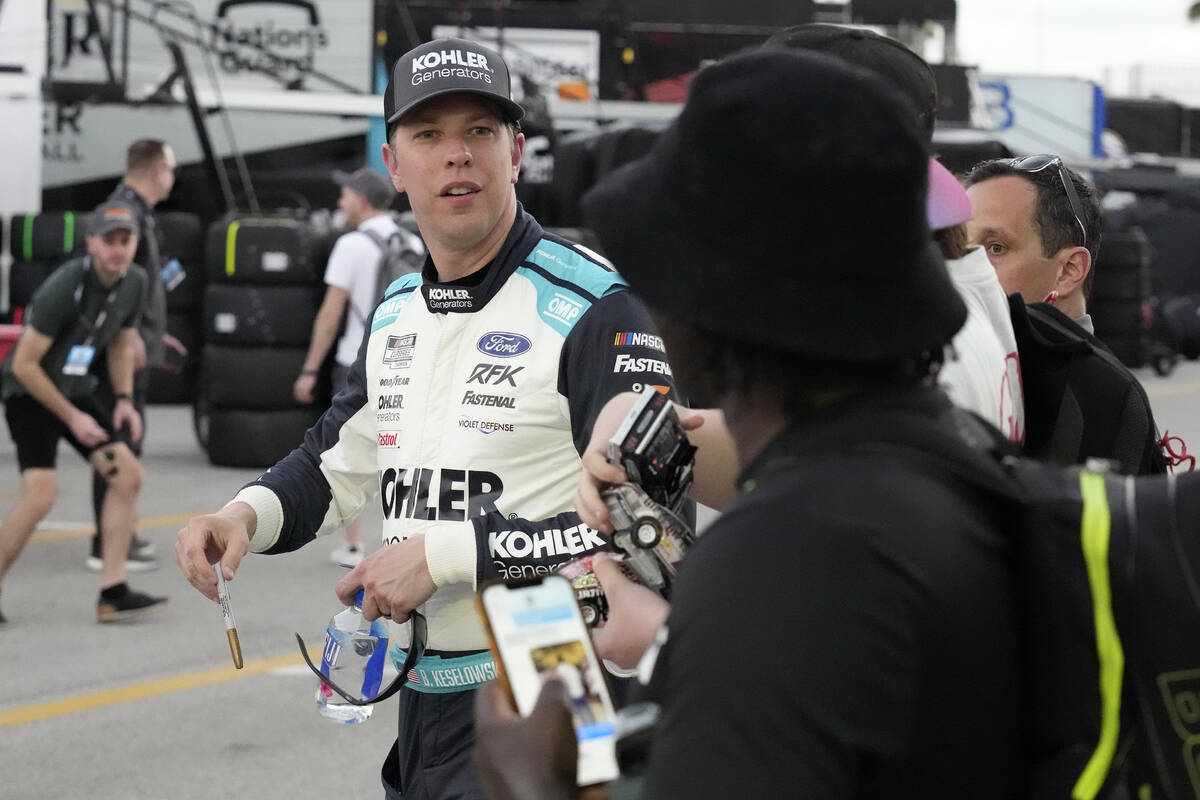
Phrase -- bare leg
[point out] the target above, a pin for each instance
(33, 504)
(354, 532)
(117, 464)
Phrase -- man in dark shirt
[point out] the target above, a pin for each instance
(148, 180)
(1040, 224)
(847, 628)
(86, 313)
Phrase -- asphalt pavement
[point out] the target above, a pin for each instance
(155, 709)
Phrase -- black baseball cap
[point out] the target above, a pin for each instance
(445, 66)
(112, 216)
(371, 184)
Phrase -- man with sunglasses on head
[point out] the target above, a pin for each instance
(1039, 223)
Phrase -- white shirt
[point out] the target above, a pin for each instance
(983, 373)
(353, 266)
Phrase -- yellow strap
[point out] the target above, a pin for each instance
(231, 247)
(1095, 529)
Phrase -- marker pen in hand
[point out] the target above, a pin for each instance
(235, 646)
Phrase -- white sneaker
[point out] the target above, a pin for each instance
(140, 559)
(142, 547)
(134, 562)
(347, 556)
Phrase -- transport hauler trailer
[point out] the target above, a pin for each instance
(114, 70)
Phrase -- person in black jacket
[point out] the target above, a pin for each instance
(148, 180)
(1040, 224)
(848, 627)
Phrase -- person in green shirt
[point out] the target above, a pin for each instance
(89, 309)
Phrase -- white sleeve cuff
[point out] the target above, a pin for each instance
(269, 511)
(450, 553)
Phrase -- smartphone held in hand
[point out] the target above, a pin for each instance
(538, 634)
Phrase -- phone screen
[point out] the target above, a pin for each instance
(540, 635)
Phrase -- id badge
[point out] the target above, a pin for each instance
(172, 274)
(79, 359)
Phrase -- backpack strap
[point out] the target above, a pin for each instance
(384, 246)
(374, 236)
(1059, 522)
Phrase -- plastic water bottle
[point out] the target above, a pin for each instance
(354, 654)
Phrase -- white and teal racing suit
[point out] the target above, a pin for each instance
(466, 413)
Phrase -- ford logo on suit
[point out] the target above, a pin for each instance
(503, 345)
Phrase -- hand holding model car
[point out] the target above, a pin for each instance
(649, 530)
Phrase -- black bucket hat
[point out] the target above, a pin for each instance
(786, 206)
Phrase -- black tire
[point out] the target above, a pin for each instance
(1128, 248)
(24, 278)
(274, 316)
(182, 236)
(52, 236)
(574, 174)
(1126, 284)
(322, 245)
(1175, 235)
(262, 250)
(170, 387)
(250, 377)
(1181, 320)
(1164, 362)
(1120, 281)
(200, 419)
(175, 380)
(1124, 269)
(1130, 349)
(253, 438)
(620, 145)
(1118, 318)
(185, 292)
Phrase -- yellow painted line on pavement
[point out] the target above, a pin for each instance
(88, 530)
(140, 691)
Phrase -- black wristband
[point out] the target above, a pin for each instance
(304, 372)
(122, 396)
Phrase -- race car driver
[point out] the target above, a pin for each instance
(474, 392)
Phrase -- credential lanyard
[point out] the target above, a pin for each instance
(91, 326)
